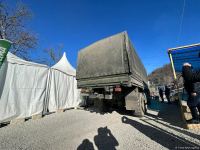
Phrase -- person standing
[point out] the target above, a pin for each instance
(148, 95)
(191, 79)
(161, 94)
(167, 93)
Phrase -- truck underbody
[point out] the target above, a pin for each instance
(124, 93)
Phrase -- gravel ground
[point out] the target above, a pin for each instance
(88, 129)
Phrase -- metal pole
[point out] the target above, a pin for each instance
(175, 77)
(173, 68)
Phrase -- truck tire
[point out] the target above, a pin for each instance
(141, 106)
(136, 102)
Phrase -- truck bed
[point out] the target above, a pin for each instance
(110, 61)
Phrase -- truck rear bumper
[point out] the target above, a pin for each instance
(125, 79)
(103, 81)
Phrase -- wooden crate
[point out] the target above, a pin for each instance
(193, 126)
(186, 114)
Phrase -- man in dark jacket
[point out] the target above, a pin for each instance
(191, 79)
(161, 94)
(167, 93)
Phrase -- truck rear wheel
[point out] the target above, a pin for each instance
(136, 101)
(141, 106)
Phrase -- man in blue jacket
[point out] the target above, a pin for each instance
(191, 79)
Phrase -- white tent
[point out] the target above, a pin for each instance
(22, 88)
(63, 86)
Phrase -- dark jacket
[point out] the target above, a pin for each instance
(191, 79)
(167, 91)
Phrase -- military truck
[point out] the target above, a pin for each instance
(112, 72)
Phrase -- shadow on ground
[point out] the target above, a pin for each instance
(86, 145)
(121, 111)
(164, 138)
(94, 109)
(171, 127)
(169, 113)
(104, 140)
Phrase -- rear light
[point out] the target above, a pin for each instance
(118, 88)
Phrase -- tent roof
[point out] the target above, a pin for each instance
(64, 66)
(190, 54)
(11, 58)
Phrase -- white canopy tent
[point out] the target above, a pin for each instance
(22, 88)
(63, 91)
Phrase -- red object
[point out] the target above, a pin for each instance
(118, 88)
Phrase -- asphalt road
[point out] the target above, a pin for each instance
(88, 129)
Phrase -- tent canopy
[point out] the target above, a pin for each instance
(64, 66)
(23, 88)
(16, 60)
(190, 54)
(63, 86)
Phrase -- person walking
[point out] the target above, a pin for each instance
(191, 79)
(167, 93)
(161, 94)
(148, 95)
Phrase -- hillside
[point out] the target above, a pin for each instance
(161, 76)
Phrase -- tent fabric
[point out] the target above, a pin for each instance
(11, 58)
(64, 66)
(63, 86)
(63, 91)
(22, 88)
(28, 88)
(190, 54)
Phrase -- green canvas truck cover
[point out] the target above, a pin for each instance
(114, 55)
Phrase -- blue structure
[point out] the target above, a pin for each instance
(190, 54)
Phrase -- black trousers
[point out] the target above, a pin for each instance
(161, 96)
(194, 110)
(168, 98)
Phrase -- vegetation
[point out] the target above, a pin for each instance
(162, 76)
(52, 56)
(12, 27)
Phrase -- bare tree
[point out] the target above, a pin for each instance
(53, 55)
(12, 27)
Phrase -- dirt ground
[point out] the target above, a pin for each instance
(161, 128)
